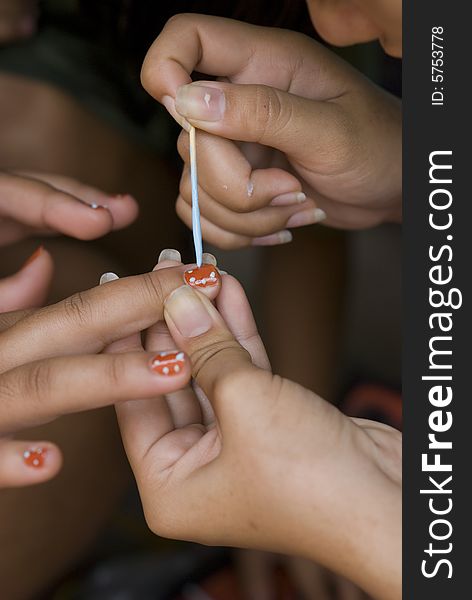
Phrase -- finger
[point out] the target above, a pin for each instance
(37, 204)
(237, 51)
(123, 207)
(259, 222)
(224, 239)
(89, 321)
(27, 463)
(198, 328)
(30, 285)
(271, 117)
(64, 385)
(234, 307)
(226, 174)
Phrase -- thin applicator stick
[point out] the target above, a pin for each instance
(196, 226)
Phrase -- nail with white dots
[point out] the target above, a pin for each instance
(34, 457)
(168, 363)
(200, 277)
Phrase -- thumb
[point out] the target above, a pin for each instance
(200, 331)
(292, 124)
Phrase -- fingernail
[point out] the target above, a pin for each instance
(33, 257)
(274, 239)
(106, 277)
(201, 103)
(202, 277)
(96, 206)
(306, 217)
(169, 104)
(209, 259)
(187, 312)
(169, 254)
(34, 457)
(288, 199)
(168, 363)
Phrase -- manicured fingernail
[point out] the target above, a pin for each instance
(209, 259)
(169, 104)
(187, 312)
(202, 277)
(106, 277)
(274, 239)
(288, 199)
(33, 257)
(168, 363)
(169, 254)
(201, 103)
(34, 457)
(306, 217)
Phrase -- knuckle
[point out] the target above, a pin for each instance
(78, 309)
(116, 371)
(268, 113)
(37, 383)
(151, 287)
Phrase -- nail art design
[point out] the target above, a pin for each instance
(168, 363)
(34, 457)
(204, 276)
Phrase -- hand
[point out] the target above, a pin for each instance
(17, 19)
(43, 204)
(260, 462)
(50, 366)
(313, 136)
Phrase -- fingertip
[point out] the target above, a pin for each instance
(124, 209)
(205, 279)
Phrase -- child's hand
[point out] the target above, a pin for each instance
(313, 124)
(258, 461)
(50, 364)
(43, 204)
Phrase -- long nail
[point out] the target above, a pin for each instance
(274, 239)
(195, 101)
(202, 277)
(106, 277)
(33, 257)
(306, 217)
(169, 254)
(209, 259)
(34, 457)
(187, 312)
(288, 199)
(168, 363)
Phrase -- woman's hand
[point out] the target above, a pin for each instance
(254, 460)
(313, 137)
(43, 204)
(50, 363)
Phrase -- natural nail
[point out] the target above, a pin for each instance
(34, 457)
(169, 254)
(200, 103)
(187, 312)
(168, 363)
(106, 277)
(202, 277)
(274, 239)
(33, 257)
(209, 259)
(288, 199)
(306, 217)
(169, 104)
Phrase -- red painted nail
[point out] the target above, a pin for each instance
(33, 257)
(168, 363)
(204, 276)
(34, 457)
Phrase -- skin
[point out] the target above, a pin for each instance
(219, 456)
(301, 120)
(348, 22)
